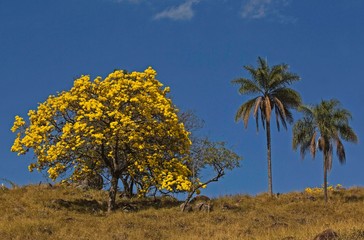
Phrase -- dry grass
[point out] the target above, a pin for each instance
(43, 212)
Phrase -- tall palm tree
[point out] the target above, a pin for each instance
(269, 85)
(324, 126)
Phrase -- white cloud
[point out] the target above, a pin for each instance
(255, 9)
(258, 9)
(181, 12)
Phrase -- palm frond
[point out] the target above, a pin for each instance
(262, 73)
(280, 77)
(244, 111)
(347, 133)
(247, 86)
(263, 78)
(279, 105)
(341, 116)
(246, 115)
(321, 144)
(277, 118)
(258, 103)
(313, 147)
(262, 114)
(280, 111)
(298, 131)
(331, 104)
(263, 64)
(257, 120)
(289, 97)
(307, 110)
(289, 77)
(340, 151)
(254, 74)
(276, 73)
(289, 116)
(239, 113)
(281, 118)
(303, 130)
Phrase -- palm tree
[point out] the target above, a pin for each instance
(270, 87)
(323, 126)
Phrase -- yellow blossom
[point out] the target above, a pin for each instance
(124, 120)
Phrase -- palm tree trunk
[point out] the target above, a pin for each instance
(325, 178)
(112, 193)
(270, 185)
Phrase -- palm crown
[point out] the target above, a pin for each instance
(272, 94)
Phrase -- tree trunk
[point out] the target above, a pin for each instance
(325, 178)
(131, 188)
(187, 201)
(112, 193)
(127, 188)
(270, 185)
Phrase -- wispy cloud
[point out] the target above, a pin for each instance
(183, 11)
(259, 9)
(255, 8)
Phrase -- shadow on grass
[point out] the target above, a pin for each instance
(79, 205)
(354, 198)
(128, 205)
(94, 206)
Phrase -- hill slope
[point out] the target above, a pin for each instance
(44, 212)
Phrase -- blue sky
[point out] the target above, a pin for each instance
(197, 48)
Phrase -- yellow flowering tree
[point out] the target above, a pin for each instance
(124, 124)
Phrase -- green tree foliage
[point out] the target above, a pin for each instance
(324, 126)
(205, 155)
(208, 155)
(269, 86)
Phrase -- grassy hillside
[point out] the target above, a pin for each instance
(44, 212)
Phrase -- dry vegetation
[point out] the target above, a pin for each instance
(44, 212)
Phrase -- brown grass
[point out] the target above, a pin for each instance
(43, 212)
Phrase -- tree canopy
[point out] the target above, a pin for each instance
(124, 123)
